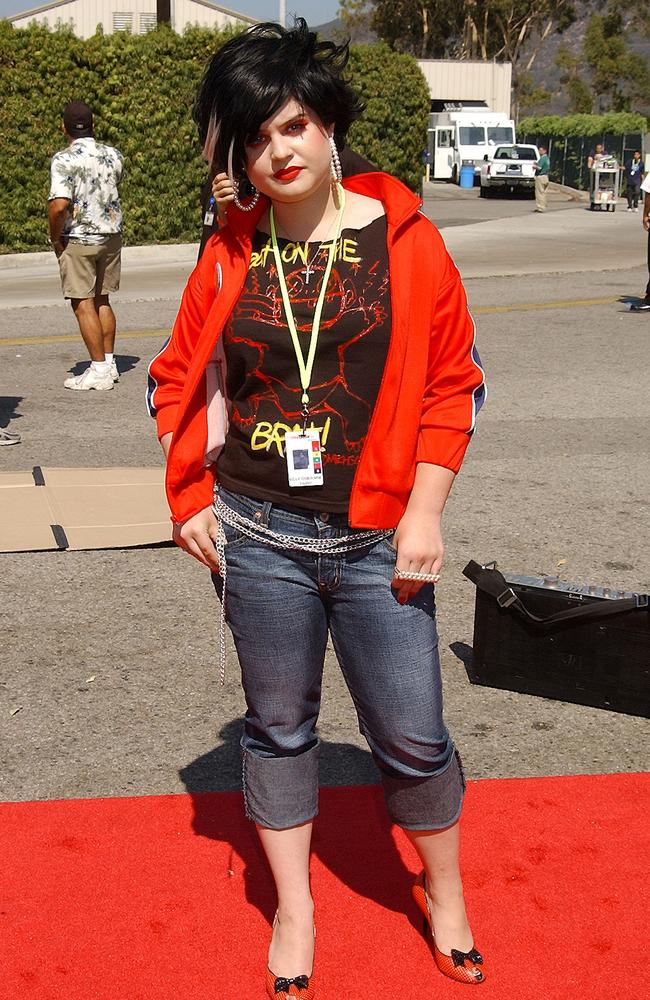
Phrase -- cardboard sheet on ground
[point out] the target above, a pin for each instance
(82, 509)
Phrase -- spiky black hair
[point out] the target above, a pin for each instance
(252, 76)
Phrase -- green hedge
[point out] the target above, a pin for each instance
(393, 130)
(612, 123)
(141, 89)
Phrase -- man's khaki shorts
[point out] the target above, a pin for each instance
(88, 270)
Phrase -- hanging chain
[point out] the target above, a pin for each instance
(276, 540)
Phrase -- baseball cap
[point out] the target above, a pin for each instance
(78, 119)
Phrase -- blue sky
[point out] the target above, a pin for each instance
(314, 11)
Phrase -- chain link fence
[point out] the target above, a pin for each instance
(569, 154)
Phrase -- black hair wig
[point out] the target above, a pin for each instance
(253, 75)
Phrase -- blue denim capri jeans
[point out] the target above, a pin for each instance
(280, 606)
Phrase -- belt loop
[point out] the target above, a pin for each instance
(265, 513)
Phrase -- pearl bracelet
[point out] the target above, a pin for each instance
(401, 574)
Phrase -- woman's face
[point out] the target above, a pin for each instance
(289, 157)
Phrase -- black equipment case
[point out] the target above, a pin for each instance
(541, 636)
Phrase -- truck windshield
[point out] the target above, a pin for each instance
(473, 135)
(499, 134)
(515, 153)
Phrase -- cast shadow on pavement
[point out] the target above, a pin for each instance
(463, 651)
(125, 363)
(362, 856)
(8, 407)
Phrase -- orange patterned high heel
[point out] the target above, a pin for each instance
(282, 988)
(462, 966)
(279, 988)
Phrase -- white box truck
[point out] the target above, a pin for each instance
(460, 134)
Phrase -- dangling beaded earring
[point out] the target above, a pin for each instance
(337, 173)
(235, 185)
(251, 204)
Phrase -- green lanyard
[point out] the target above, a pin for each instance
(306, 367)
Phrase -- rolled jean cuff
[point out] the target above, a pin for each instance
(431, 803)
(281, 792)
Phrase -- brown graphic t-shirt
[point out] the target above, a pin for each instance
(263, 378)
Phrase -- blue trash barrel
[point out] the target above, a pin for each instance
(467, 175)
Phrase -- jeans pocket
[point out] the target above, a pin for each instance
(387, 543)
(234, 537)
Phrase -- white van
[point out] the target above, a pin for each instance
(460, 135)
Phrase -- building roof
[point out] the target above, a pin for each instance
(64, 3)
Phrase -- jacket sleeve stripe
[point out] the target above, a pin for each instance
(479, 395)
(152, 385)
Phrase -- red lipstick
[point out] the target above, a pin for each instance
(287, 174)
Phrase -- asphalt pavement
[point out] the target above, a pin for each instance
(109, 674)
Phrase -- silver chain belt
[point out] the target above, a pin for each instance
(276, 540)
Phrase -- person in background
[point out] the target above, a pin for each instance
(644, 305)
(599, 153)
(85, 222)
(542, 169)
(633, 176)
(314, 403)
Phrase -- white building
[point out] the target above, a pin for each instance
(468, 83)
(137, 16)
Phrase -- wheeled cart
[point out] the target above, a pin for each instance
(604, 184)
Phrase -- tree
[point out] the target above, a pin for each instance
(503, 29)
(425, 28)
(620, 78)
(515, 31)
(356, 18)
(508, 30)
(392, 131)
(580, 94)
(530, 95)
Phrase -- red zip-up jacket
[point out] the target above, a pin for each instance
(431, 389)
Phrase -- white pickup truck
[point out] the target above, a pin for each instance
(509, 168)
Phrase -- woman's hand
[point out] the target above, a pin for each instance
(418, 541)
(223, 193)
(198, 535)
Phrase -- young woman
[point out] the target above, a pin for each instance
(322, 379)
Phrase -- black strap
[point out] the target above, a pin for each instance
(60, 536)
(492, 582)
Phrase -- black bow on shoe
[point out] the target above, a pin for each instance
(460, 957)
(282, 985)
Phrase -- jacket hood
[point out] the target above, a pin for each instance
(400, 204)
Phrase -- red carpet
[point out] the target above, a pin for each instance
(168, 898)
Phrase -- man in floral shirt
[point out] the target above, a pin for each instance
(85, 224)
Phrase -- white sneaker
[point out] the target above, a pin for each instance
(90, 379)
(629, 209)
(8, 437)
(636, 210)
(115, 375)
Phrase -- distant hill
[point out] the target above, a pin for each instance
(546, 74)
(544, 71)
(336, 31)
